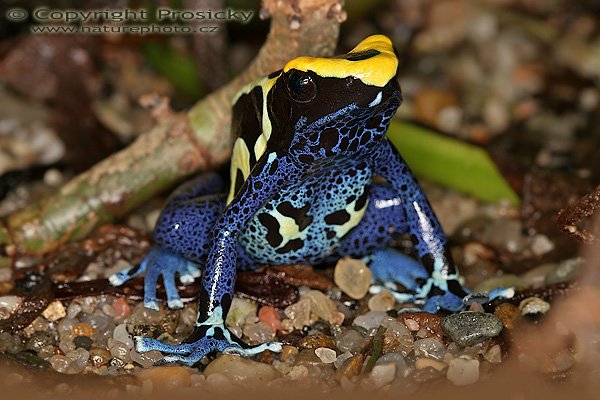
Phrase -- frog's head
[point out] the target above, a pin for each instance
(339, 105)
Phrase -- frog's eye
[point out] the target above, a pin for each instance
(301, 86)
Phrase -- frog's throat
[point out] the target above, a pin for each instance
(373, 61)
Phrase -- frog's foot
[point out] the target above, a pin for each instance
(211, 338)
(158, 262)
(392, 267)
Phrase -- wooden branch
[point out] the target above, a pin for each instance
(179, 144)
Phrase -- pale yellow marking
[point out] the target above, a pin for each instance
(261, 143)
(240, 158)
(377, 70)
(288, 229)
(355, 218)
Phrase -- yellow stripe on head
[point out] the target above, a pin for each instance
(376, 70)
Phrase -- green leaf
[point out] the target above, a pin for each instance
(179, 69)
(450, 162)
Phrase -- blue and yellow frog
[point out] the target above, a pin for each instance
(309, 139)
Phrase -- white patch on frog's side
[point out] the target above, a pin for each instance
(376, 101)
(355, 218)
(240, 158)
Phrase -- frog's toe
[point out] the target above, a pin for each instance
(447, 301)
(123, 276)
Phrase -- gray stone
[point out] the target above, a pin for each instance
(469, 328)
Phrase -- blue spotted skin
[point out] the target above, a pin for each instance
(302, 190)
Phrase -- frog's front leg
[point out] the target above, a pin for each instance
(217, 289)
(441, 289)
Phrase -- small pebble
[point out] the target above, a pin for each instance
(120, 333)
(533, 305)
(430, 363)
(83, 341)
(494, 354)
(270, 316)
(469, 328)
(258, 332)
(239, 311)
(83, 329)
(341, 359)
(350, 340)
(337, 318)
(121, 307)
(99, 357)
(370, 320)
(397, 359)
(429, 348)
(298, 372)
(39, 340)
(288, 352)
(382, 301)
(320, 305)
(242, 371)
(146, 359)
(299, 313)
(412, 324)
(463, 371)
(353, 277)
(317, 340)
(55, 311)
(381, 375)
(118, 349)
(540, 245)
(73, 310)
(326, 355)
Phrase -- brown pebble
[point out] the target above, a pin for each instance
(167, 377)
(308, 358)
(509, 314)
(317, 340)
(427, 321)
(99, 356)
(288, 352)
(390, 344)
(350, 368)
(83, 329)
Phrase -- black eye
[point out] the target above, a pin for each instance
(301, 86)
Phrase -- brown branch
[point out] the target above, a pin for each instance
(179, 144)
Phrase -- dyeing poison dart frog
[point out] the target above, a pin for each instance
(308, 141)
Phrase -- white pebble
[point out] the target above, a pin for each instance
(326, 355)
(533, 305)
(382, 374)
(370, 320)
(463, 371)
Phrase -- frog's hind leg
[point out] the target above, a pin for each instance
(384, 220)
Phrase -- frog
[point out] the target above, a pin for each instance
(313, 178)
